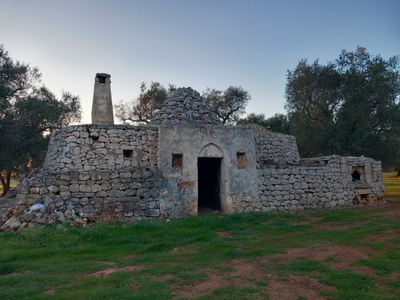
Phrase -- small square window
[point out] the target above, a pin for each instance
(241, 160)
(177, 161)
(128, 153)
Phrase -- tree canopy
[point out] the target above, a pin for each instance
(277, 123)
(141, 110)
(346, 107)
(230, 104)
(29, 112)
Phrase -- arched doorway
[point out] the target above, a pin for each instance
(209, 167)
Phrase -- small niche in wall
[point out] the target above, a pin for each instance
(241, 160)
(177, 161)
(358, 174)
(128, 153)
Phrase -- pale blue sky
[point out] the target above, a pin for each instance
(190, 43)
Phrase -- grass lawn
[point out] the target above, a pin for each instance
(343, 254)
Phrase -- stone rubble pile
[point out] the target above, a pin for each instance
(184, 107)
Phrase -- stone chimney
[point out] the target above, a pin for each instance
(102, 108)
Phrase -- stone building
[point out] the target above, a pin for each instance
(183, 163)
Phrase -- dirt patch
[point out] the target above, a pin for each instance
(16, 274)
(296, 286)
(395, 276)
(181, 249)
(108, 272)
(331, 254)
(49, 290)
(266, 223)
(222, 233)
(106, 262)
(384, 237)
(244, 274)
(338, 257)
(251, 274)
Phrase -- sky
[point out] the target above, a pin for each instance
(190, 43)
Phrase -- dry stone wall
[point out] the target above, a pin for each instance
(319, 183)
(109, 173)
(102, 148)
(274, 148)
(92, 172)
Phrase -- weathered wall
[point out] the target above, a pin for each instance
(180, 187)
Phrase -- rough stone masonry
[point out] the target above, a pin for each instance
(183, 163)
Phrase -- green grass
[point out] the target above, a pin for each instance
(38, 259)
(392, 185)
(188, 252)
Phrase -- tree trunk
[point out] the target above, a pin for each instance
(5, 183)
(398, 174)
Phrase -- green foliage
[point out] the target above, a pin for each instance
(28, 114)
(141, 110)
(347, 107)
(277, 123)
(228, 105)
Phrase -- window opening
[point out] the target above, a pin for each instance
(128, 153)
(177, 161)
(241, 160)
(102, 79)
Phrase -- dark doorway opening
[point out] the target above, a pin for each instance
(209, 176)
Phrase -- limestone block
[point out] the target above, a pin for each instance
(143, 192)
(125, 175)
(53, 189)
(12, 224)
(73, 188)
(85, 188)
(116, 193)
(106, 186)
(101, 194)
(136, 185)
(152, 212)
(43, 190)
(96, 188)
(71, 139)
(137, 175)
(84, 176)
(34, 190)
